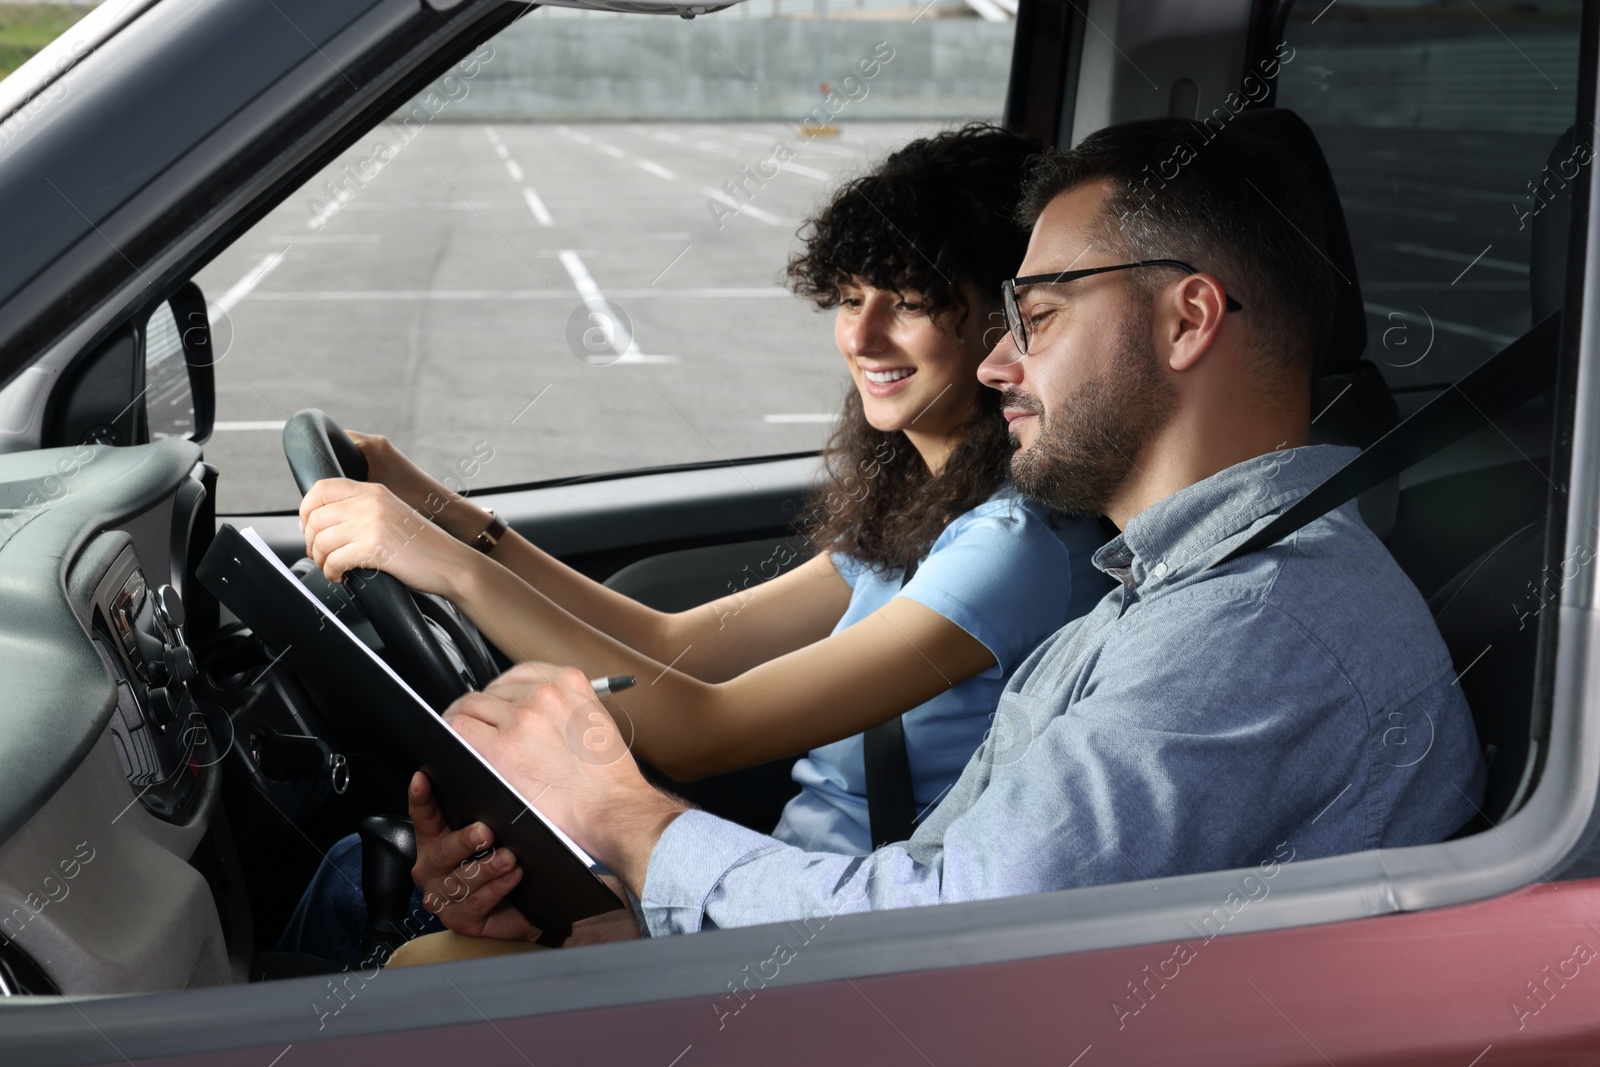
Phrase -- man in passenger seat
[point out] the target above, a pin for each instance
(1156, 369)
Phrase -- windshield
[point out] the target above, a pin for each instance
(543, 267)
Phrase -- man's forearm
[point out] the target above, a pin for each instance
(625, 834)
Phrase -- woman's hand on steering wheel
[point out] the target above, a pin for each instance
(352, 525)
(389, 466)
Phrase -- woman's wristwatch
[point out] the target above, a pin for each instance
(486, 541)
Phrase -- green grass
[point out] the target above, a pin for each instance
(26, 28)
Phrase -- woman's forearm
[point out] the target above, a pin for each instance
(674, 721)
(826, 690)
(885, 664)
(630, 622)
(351, 524)
(714, 641)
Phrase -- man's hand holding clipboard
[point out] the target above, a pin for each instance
(522, 725)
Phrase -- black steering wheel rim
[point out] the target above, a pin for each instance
(317, 448)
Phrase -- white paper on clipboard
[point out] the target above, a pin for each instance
(250, 535)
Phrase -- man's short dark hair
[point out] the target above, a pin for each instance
(1228, 202)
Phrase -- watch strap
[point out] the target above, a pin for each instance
(486, 541)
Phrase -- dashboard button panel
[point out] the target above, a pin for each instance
(159, 730)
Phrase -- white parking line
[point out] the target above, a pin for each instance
(423, 205)
(241, 288)
(582, 280)
(616, 153)
(740, 207)
(326, 238)
(788, 136)
(807, 172)
(838, 150)
(513, 170)
(656, 293)
(536, 206)
(622, 342)
(275, 425)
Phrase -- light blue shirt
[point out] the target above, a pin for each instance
(1008, 572)
(1196, 719)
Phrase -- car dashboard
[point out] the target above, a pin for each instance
(113, 853)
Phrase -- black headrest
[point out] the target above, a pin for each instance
(1350, 401)
(1549, 212)
(1348, 338)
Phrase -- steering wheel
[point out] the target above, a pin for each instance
(425, 638)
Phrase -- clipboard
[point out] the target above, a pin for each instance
(558, 888)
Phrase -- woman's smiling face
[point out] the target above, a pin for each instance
(914, 371)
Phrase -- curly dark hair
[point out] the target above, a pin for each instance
(937, 215)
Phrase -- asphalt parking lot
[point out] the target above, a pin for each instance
(567, 294)
(448, 296)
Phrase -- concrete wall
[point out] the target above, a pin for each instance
(722, 67)
(656, 68)
(1479, 83)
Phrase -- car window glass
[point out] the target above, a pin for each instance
(568, 253)
(1437, 120)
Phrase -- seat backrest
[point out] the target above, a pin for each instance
(1488, 615)
(1350, 401)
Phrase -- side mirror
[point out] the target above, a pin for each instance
(180, 383)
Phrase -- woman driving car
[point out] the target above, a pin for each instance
(931, 581)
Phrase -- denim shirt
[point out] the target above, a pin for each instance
(1195, 719)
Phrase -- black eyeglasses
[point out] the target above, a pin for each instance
(1013, 313)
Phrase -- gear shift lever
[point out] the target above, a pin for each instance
(388, 851)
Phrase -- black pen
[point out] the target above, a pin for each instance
(616, 683)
